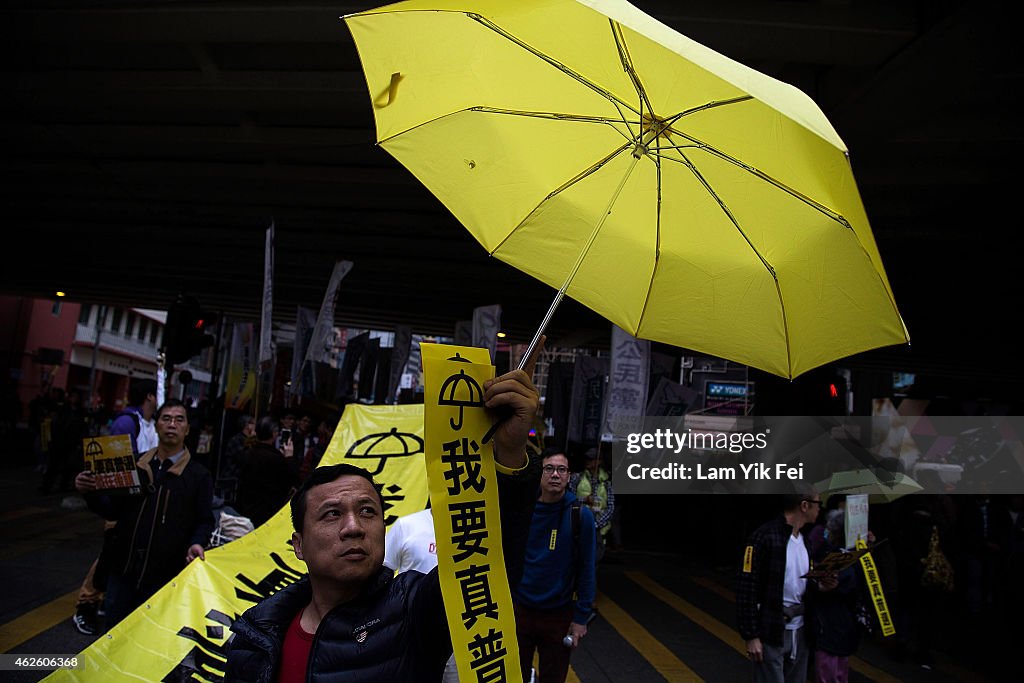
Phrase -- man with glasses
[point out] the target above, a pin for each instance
(554, 599)
(770, 593)
(164, 528)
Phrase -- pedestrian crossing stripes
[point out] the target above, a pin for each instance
(635, 638)
(660, 657)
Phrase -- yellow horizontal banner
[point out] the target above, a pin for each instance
(182, 630)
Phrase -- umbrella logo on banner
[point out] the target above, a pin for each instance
(392, 444)
(460, 391)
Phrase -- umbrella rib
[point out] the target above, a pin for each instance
(758, 173)
(656, 158)
(710, 105)
(555, 63)
(627, 65)
(556, 116)
(732, 218)
(564, 186)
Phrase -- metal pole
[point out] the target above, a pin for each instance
(101, 315)
(215, 373)
(576, 266)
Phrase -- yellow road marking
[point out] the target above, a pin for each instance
(727, 634)
(571, 677)
(42, 618)
(714, 587)
(22, 512)
(659, 656)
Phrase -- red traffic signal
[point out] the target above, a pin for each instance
(184, 334)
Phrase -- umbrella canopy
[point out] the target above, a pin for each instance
(881, 487)
(683, 196)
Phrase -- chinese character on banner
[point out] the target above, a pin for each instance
(462, 480)
(627, 384)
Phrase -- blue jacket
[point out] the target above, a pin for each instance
(554, 569)
(128, 421)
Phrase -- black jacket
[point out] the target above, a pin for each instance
(403, 616)
(833, 614)
(760, 585)
(160, 525)
(265, 482)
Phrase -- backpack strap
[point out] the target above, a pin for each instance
(574, 516)
(576, 523)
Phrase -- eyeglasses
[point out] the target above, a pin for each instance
(808, 500)
(561, 469)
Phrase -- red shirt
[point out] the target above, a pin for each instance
(295, 652)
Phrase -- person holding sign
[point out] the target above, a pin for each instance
(771, 587)
(352, 617)
(164, 528)
(834, 630)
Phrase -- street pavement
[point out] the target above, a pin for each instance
(661, 617)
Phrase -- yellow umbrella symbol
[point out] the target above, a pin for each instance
(461, 391)
(391, 444)
(683, 196)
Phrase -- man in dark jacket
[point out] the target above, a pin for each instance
(268, 476)
(351, 615)
(770, 591)
(164, 528)
(137, 422)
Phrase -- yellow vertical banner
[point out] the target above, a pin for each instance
(462, 481)
(241, 376)
(867, 563)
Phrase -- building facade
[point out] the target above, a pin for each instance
(75, 347)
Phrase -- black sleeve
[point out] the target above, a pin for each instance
(517, 494)
(205, 521)
(430, 621)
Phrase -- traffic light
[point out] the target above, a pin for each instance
(185, 332)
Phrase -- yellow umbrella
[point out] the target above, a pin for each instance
(880, 485)
(685, 197)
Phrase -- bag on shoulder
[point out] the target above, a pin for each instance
(230, 528)
(938, 572)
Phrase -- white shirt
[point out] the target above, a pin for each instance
(147, 437)
(410, 543)
(797, 564)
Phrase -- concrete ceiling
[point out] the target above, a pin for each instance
(147, 146)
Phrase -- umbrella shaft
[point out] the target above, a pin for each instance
(579, 262)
